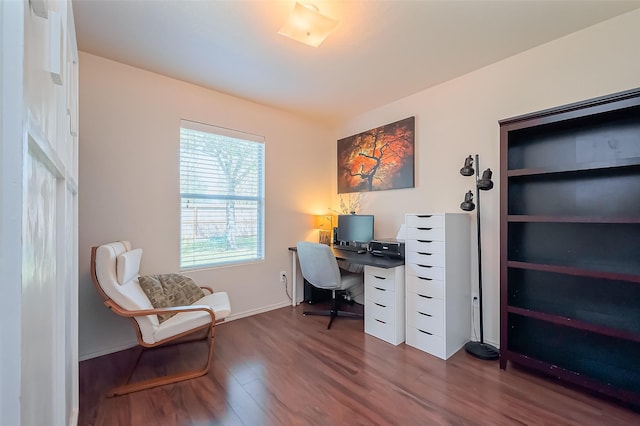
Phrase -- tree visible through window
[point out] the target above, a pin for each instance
(221, 196)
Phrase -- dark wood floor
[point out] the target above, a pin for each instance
(280, 368)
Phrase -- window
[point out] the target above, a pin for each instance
(221, 196)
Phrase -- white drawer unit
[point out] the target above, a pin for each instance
(425, 234)
(425, 246)
(426, 315)
(384, 303)
(425, 258)
(438, 290)
(425, 286)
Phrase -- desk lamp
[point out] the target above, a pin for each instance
(324, 224)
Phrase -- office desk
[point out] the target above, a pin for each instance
(365, 259)
(384, 293)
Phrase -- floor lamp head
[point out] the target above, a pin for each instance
(467, 205)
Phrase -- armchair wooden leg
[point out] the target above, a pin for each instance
(164, 380)
(134, 363)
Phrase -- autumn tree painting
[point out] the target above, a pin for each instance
(378, 159)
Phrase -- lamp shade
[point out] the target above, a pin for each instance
(306, 25)
(324, 222)
(485, 183)
(467, 169)
(467, 205)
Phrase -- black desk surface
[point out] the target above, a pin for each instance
(364, 258)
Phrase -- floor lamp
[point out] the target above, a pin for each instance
(479, 349)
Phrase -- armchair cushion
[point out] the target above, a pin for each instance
(184, 321)
(167, 290)
(128, 265)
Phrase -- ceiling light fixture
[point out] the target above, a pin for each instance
(306, 25)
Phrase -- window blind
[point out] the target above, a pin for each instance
(221, 196)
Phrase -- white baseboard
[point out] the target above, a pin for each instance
(256, 311)
(73, 417)
(107, 350)
(127, 345)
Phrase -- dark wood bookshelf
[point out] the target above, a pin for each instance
(571, 219)
(577, 324)
(569, 243)
(584, 167)
(572, 270)
(572, 377)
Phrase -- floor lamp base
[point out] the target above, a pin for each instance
(482, 350)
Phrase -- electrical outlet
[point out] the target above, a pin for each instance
(283, 276)
(474, 300)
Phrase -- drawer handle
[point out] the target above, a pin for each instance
(424, 215)
(425, 241)
(380, 278)
(426, 315)
(382, 306)
(426, 279)
(425, 332)
(425, 266)
(424, 253)
(383, 322)
(425, 229)
(378, 288)
(426, 297)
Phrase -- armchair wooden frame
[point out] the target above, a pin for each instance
(188, 336)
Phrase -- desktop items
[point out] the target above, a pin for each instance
(355, 232)
(391, 248)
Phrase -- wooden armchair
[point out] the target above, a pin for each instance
(114, 270)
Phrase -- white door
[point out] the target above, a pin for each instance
(38, 215)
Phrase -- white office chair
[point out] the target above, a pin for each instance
(320, 268)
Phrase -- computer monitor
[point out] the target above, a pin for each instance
(355, 228)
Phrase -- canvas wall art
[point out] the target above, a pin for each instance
(378, 159)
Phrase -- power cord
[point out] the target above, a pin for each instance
(473, 321)
(286, 288)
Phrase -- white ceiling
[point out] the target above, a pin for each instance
(381, 51)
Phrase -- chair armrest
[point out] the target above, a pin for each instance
(209, 289)
(155, 311)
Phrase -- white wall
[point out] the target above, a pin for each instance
(460, 117)
(129, 127)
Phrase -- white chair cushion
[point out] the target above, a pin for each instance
(128, 295)
(128, 265)
(185, 321)
(350, 279)
(319, 266)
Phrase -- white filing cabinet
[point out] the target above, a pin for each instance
(384, 305)
(438, 282)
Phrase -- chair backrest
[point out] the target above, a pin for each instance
(319, 265)
(116, 269)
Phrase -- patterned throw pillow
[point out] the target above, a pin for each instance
(166, 290)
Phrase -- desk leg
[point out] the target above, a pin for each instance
(294, 279)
